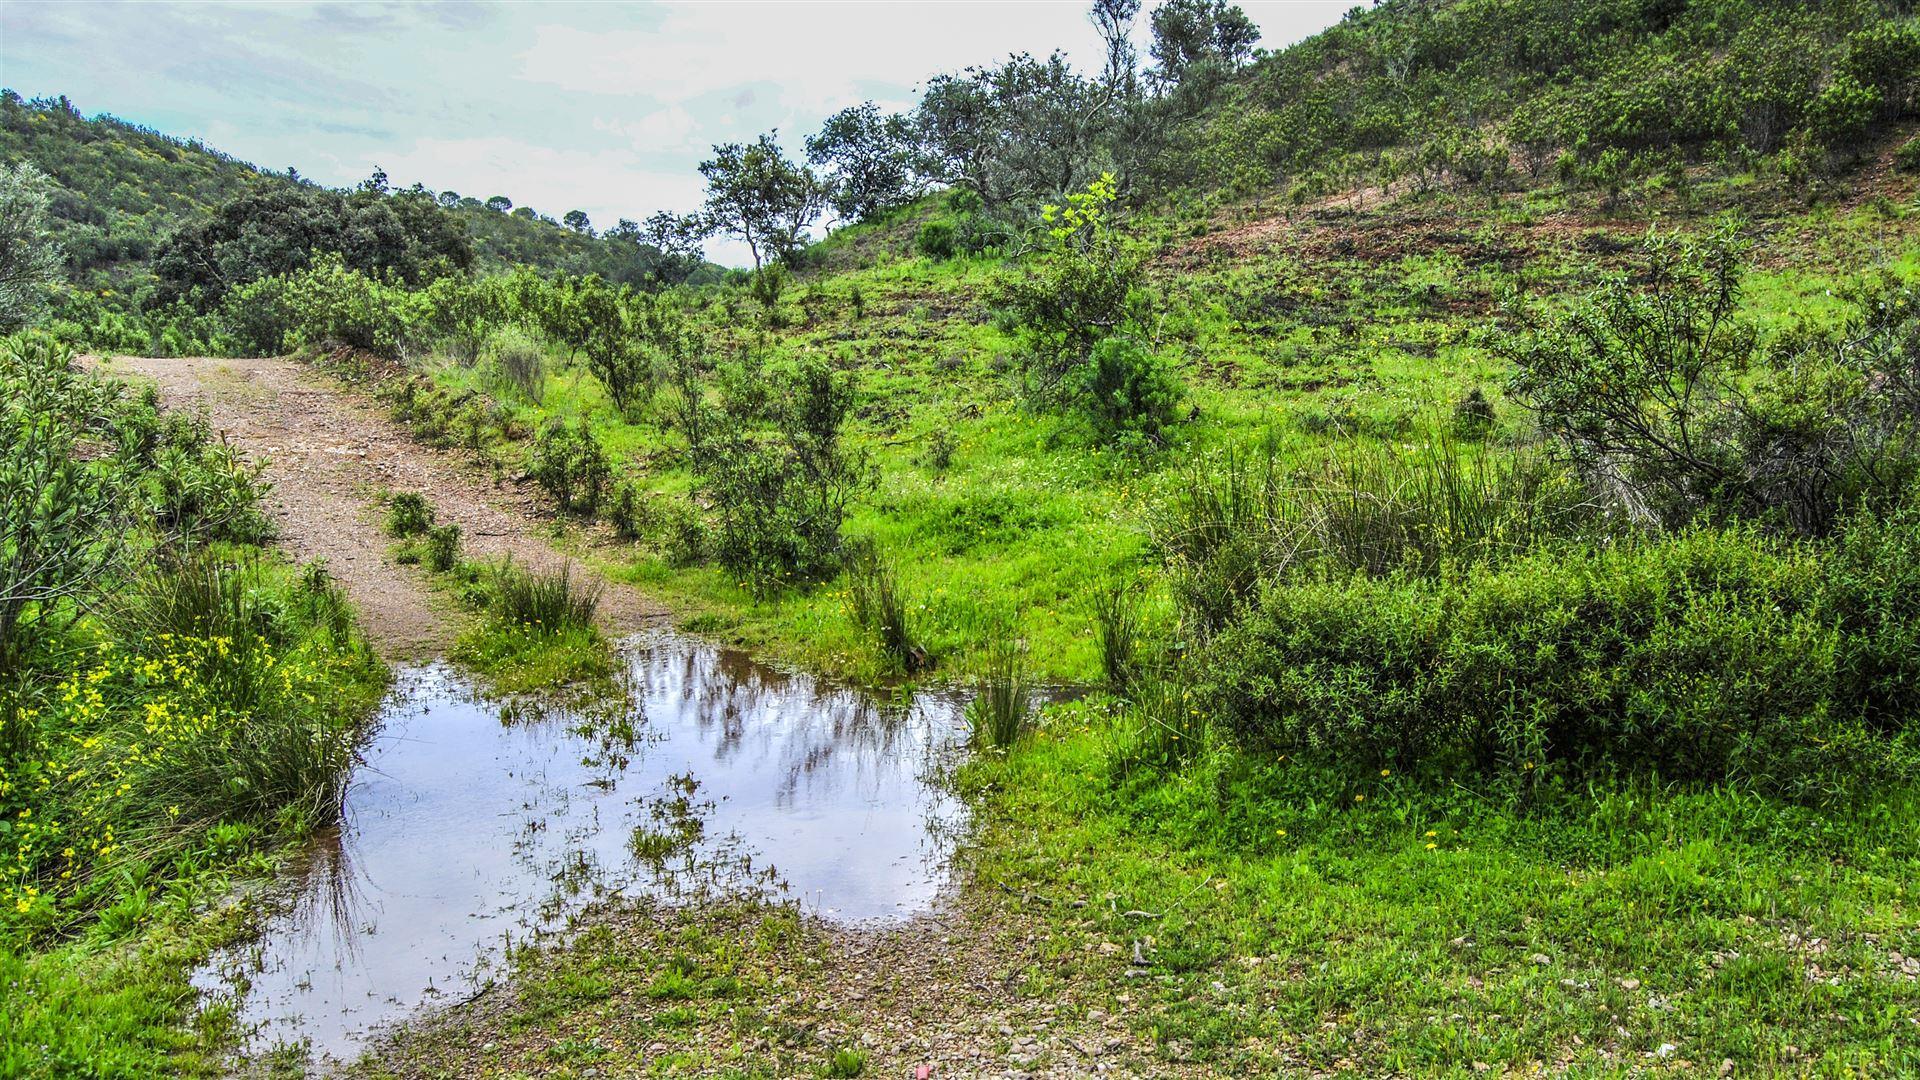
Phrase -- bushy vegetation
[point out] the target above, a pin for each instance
(175, 701)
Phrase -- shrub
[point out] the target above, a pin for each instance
(937, 239)
(443, 548)
(1711, 656)
(568, 462)
(408, 514)
(1473, 415)
(1660, 395)
(1907, 158)
(779, 506)
(521, 364)
(1125, 390)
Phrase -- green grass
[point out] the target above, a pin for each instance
(1374, 924)
(1369, 326)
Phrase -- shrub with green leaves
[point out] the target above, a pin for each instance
(568, 462)
(1709, 656)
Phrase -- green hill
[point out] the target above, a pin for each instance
(121, 189)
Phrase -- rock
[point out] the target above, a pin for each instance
(1629, 985)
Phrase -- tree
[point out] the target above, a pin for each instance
(677, 239)
(1113, 20)
(29, 257)
(758, 196)
(1195, 36)
(870, 157)
(449, 199)
(577, 221)
(1023, 130)
(499, 204)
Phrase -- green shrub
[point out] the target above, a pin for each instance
(442, 548)
(568, 462)
(1711, 656)
(1116, 622)
(521, 363)
(937, 239)
(408, 514)
(1907, 158)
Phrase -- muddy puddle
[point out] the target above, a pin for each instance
(467, 831)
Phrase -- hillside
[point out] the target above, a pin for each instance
(1395, 556)
(122, 188)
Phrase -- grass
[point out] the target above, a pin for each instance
(536, 631)
(1376, 924)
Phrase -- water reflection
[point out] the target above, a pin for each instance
(464, 833)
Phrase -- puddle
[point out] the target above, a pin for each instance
(464, 834)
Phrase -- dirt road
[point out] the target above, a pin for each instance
(330, 453)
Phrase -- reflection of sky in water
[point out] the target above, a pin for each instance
(463, 833)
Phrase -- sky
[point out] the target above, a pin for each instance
(602, 107)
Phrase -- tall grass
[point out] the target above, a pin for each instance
(880, 608)
(998, 712)
(1116, 614)
(554, 602)
(1367, 508)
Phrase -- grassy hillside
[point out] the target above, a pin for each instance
(121, 188)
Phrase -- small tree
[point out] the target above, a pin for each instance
(758, 196)
(578, 222)
(870, 157)
(29, 257)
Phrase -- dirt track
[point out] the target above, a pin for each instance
(330, 453)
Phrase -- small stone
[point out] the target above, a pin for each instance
(1665, 1050)
(1541, 959)
(1629, 985)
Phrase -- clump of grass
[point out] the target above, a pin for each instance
(553, 602)
(847, 1063)
(408, 514)
(998, 712)
(878, 606)
(442, 548)
(1116, 614)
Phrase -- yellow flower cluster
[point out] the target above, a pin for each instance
(111, 730)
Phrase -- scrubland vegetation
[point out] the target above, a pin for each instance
(1472, 452)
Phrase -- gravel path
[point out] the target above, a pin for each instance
(330, 453)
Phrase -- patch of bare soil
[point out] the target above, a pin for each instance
(330, 453)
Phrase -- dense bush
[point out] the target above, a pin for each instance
(1707, 656)
(1079, 314)
(568, 462)
(161, 679)
(778, 504)
(1659, 391)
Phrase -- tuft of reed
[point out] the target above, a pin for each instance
(998, 712)
(879, 607)
(552, 602)
(443, 548)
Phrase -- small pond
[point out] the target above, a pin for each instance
(467, 830)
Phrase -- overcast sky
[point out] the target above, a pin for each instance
(607, 108)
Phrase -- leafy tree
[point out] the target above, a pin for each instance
(1113, 20)
(577, 221)
(870, 158)
(1019, 131)
(755, 194)
(1192, 37)
(29, 257)
(258, 234)
(499, 204)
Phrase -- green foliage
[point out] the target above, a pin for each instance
(758, 196)
(29, 255)
(1082, 324)
(779, 504)
(1659, 393)
(442, 548)
(408, 514)
(870, 158)
(1710, 656)
(567, 460)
